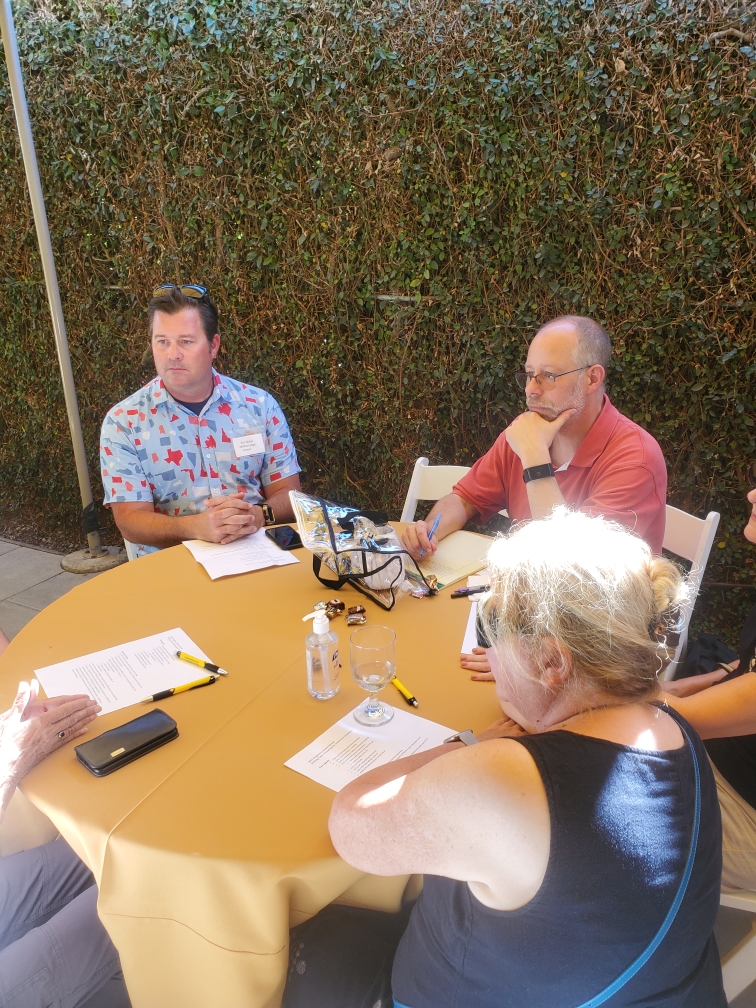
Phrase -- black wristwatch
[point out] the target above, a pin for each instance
(464, 736)
(538, 472)
(268, 515)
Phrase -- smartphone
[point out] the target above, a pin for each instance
(284, 536)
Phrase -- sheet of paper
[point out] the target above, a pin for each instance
(348, 749)
(120, 676)
(471, 637)
(458, 555)
(253, 552)
(476, 580)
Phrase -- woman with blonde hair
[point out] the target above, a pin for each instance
(573, 867)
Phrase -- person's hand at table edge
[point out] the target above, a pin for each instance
(32, 729)
(455, 512)
(416, 541)
(478, 664)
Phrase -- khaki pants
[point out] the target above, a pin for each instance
(738, 837)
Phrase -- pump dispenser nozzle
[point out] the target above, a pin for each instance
(321, 624)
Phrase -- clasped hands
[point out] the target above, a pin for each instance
(228, 518)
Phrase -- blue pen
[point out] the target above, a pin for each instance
(432, 532)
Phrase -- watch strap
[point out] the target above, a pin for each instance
(465, 736)
(268, 514)
(538, 472)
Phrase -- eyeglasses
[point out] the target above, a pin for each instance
(544, 380)
(188, 290)
(751, 473)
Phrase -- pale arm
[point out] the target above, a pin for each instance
(543, 495)
(455, 512)
(477, 814)
(723, 711)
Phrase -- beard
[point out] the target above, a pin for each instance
(550, 412)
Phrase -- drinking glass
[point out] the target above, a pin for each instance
(373, 660)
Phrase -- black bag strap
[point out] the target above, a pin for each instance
(317, 565)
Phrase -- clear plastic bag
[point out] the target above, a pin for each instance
(359, 547)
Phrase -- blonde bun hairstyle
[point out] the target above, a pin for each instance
(596, 590)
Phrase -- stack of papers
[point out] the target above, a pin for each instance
(458, 555)
(253, 552)
(120, 676)
(348, 749)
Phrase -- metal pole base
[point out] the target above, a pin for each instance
(82, 561)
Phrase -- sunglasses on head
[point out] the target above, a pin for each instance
(188, 290)
(751, 473)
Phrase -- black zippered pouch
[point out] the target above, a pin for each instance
(119, 746)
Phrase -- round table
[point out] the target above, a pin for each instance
(207, 850)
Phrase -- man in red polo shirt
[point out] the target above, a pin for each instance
(571, 447)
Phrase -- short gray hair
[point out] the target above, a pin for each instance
(594, 345)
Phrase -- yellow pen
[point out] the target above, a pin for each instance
(164, 694)
(405, 692)
(201, 662)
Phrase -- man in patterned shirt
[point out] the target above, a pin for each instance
(193, 454)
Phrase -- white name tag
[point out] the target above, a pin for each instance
(249, 444)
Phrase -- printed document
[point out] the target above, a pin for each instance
(349, 749)
(458, 555)
(252, 552)
(120, 676)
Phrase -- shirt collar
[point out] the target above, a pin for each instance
(595, 440)
(160, 394)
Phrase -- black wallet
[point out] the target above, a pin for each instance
(119, 746)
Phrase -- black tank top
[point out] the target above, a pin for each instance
(621, 821)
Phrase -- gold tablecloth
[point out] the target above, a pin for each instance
(207, 850)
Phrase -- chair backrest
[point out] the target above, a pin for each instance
(131, 550)
(430, 483)
(690, 538)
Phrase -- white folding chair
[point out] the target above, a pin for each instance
(739, 965)
(430, 483)
(690, 538)
(131, 550)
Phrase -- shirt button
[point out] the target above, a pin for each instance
(208, 455)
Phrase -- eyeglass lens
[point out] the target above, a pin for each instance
(523, 377)
(752, 473)
(188, 290)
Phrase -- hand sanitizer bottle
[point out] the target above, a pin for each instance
(322, 650)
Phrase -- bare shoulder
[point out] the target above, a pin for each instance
(640, 725)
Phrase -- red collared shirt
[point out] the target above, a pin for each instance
(618, 472)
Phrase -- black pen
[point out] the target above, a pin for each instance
(463, 592)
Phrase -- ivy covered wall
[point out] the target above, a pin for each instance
(386, 198)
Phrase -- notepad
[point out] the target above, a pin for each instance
(250, 553)
(349, 749)
(120, 676)
(458, 555)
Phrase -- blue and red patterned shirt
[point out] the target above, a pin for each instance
(154, 449)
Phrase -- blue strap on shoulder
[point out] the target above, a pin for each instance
(656, 941)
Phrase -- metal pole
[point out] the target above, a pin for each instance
(48, 262)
